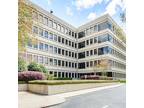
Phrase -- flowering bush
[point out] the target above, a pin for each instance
(30, 75)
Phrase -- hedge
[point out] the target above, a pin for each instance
(60, 82)
(30, 75)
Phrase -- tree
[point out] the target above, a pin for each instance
(34, 67)
(43, 68)
(21, 65)
(103, 66)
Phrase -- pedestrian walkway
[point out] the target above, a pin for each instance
(30, 100)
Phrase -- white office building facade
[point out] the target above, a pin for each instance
(72, 52)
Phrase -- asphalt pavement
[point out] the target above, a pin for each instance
(107, 98)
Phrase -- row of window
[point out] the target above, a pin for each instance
(51, 49)
(52, 36)
(101, 39)
(64, 74)
(101, 51)
(53, 24)
(96, 63)
(96, 28)
(50, 61)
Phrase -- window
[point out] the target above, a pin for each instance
(40, 32)
(62, 52)
(91, 63)
(87, 42)
(63, 40)
(66, 64)
(91, 52)
(46, 34)
(103, 38)
(51, 49)
(72, 65)
(41, 18)
(72, 44)
(46, 60)
(81, 55)
(51, 61)
(69, 64)
(58, 27)
(87, 31)
(81, 34)
(55, 25)
(62, 63)
(50, 36)
(87, 64)
(66, 53)
(87, 53)
(75, 65)
(103, 50)
(66, 41)
(29, 43)
(35, 58)
(91, 41)
(36, 45)
(29, 57)
(59, 39)
(59, 62)
(35, 29)
(69, 53)
(75, 55)
(104, 25)
(55, 50)
(41, 59)
(95, 28)
(95, 51)
(41, 46)
(55, 62)
(95, 63)
(81, 44)
(69, 43)
(75, 45)
(55, 37)
(46, 47)
(35, 15)
(50, 23)
(95, 39)
(91, 29)
(59, 51)
(72, 54)
(81, 65)
(75, 35)
(55, 74)
(45, 20)
(70, 32)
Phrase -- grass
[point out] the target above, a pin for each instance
(61, 82)
(122, 81)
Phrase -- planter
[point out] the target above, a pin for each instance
(56, 89)
(22, 87)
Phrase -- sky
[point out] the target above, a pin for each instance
(78, 12)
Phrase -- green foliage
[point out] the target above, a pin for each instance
(44, 69)
(34, 67)
(62, 78)
(61, 82)
(21, 65)
(50, 77)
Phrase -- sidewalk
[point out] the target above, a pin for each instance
(30, 100)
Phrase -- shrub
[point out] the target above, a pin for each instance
(21, 65)
(30, 75)
(34, 67)
(44, 69)
(62, 78)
